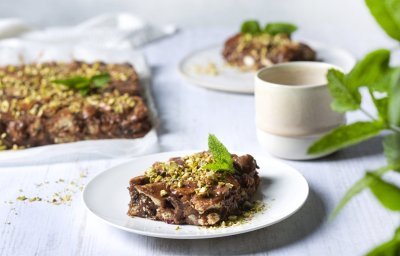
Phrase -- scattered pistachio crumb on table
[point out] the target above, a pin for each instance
(178, 228)
(34, 199)
(60, 197)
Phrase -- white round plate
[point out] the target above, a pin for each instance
(283, 189)
(233, 80)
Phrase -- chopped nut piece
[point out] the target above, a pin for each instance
(202, 191)
(229, 185)
(213, 218)
(163, 193)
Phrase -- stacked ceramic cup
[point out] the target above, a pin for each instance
(293, 108)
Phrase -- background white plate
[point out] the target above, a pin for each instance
(283, 189)
(233, 80)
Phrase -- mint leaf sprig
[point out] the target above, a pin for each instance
(280, 28)
(84, 84)
(373, 73)
(223, 161)
(382, 81)
(253, 27)
(379, 78)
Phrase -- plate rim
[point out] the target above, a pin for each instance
(211, 86)
(189, 236)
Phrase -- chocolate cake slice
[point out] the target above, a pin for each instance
(252, 52)
(37, 110)
(183, 191)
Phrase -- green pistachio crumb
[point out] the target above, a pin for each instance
(22, 198)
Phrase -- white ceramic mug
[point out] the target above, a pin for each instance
(293, 108)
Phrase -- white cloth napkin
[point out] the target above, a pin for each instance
(12, 27)
(117, 31)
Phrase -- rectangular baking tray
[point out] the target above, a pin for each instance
(16, 52)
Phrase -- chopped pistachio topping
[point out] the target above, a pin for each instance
(259, 47)
(263, 40)
(187, 171)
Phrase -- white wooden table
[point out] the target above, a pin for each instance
(188, 114)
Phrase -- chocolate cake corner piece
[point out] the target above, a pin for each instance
(252, 52)
(35, 110)
(181, 192)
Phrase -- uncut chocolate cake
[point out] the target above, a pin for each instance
(55, 102)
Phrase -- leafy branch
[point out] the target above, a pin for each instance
(382, 81)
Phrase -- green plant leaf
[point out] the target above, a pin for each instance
(72, 81)
(84, 91)
(100, 80)
(251, 27)
(218, 166)
(280, 28)
(81, 85)
(394, 98)
(84, 84)
(387, 14)
(370, 70)
(382, 108)
(222, 158)
(357, 188)
(345, 98)
(387, 193)
(383, 84)
(391, 146)
(345, 136)
(390, 248)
